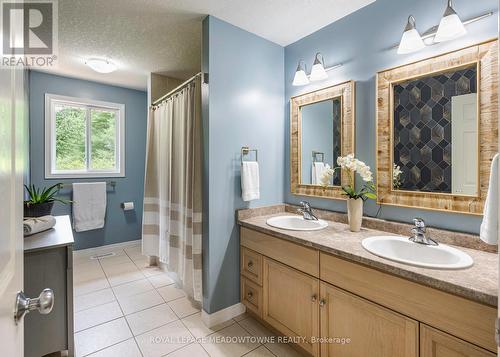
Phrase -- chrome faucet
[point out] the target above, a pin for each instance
(419, 233)
(306, 210)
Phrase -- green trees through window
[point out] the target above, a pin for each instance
(72, 126)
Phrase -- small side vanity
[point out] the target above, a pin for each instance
(48, 263)
(324, 286)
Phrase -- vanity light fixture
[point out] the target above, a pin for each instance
(101, 65)
(318, 72)
(450, 27)
(411, 41)
(300, 78)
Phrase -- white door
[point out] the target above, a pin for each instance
(464, 154)
(12, 161)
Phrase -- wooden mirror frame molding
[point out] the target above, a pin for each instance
(346, 92)
(485, 55)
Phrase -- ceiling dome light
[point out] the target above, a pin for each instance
(411, 40)
(318, 72)
(450, 27)
(300, 78)
(101, 65)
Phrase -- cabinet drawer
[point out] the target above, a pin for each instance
(434, 343)
(251, 296)
(251, 265)
(295, 255)
(460, 317)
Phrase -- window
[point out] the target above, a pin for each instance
(83, 138)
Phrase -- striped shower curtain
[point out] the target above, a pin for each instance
(172, 220)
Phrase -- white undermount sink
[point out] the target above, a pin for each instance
(400, 249)
(296, 223)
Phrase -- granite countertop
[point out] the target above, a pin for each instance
(60, 235)
(478, 283)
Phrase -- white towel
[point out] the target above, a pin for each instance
(317, 170)
(489, 226)
(89, 205)
(38, 224)
(250, 181)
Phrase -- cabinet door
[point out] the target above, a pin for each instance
(290, 303)
(435, 343)
(354, 327)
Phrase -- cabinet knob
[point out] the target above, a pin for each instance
(314, 298)
(322, 302)
(249, 295)
(250, 264)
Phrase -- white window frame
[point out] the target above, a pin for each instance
(50, 140)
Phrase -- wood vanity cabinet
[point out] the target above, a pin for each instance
(301, 292)
(368, 326)
(290, 303)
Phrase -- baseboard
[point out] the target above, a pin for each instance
(222, 315)
(120, 245)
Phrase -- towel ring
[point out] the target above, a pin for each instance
(245, 150)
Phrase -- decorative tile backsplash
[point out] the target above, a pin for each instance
(422, 128)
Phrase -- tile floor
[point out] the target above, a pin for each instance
(125, 309)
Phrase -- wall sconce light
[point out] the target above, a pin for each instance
(318, 71)
(450, 27)
(411, 41)
(300, 78)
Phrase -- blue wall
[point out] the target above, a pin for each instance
(245, 107)
(120, 226)
(360, 41)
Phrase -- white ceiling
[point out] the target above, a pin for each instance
(143, 36)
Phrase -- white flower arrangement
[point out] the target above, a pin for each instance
(397, 181)
(351, 166)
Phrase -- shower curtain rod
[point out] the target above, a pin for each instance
(176, 89)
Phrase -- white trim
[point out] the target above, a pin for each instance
(221, 316)
(89, 104)
(108, 247)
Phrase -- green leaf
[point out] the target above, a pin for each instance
(371, 195)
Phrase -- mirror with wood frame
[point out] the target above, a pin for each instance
(437, 130)
(322, 129)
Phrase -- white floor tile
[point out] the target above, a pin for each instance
(260, 352)
(147, 270)
(241, 317)
(89, 286)
(282, 350)
(134, 252)
(87, 266)
(221, 349)
(119, 259)
(161, 280)
(198, 328)
(100, 297)
(255, 328)
(164, 340)
(126, 348)
(132, 288)
(171, 292)
(97, 315)
(134, 303)
(193, 350)
(102, 336)
(183, 307)
(125, 267)
(86, 275)
(150, 319)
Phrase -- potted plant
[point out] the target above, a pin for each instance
(355, 199)
(41, 200)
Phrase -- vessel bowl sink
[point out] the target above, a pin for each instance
(296, 223)
(402, 250)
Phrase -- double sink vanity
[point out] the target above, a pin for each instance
(375, 292)
(333, 290)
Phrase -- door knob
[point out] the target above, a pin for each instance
(43, 303)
